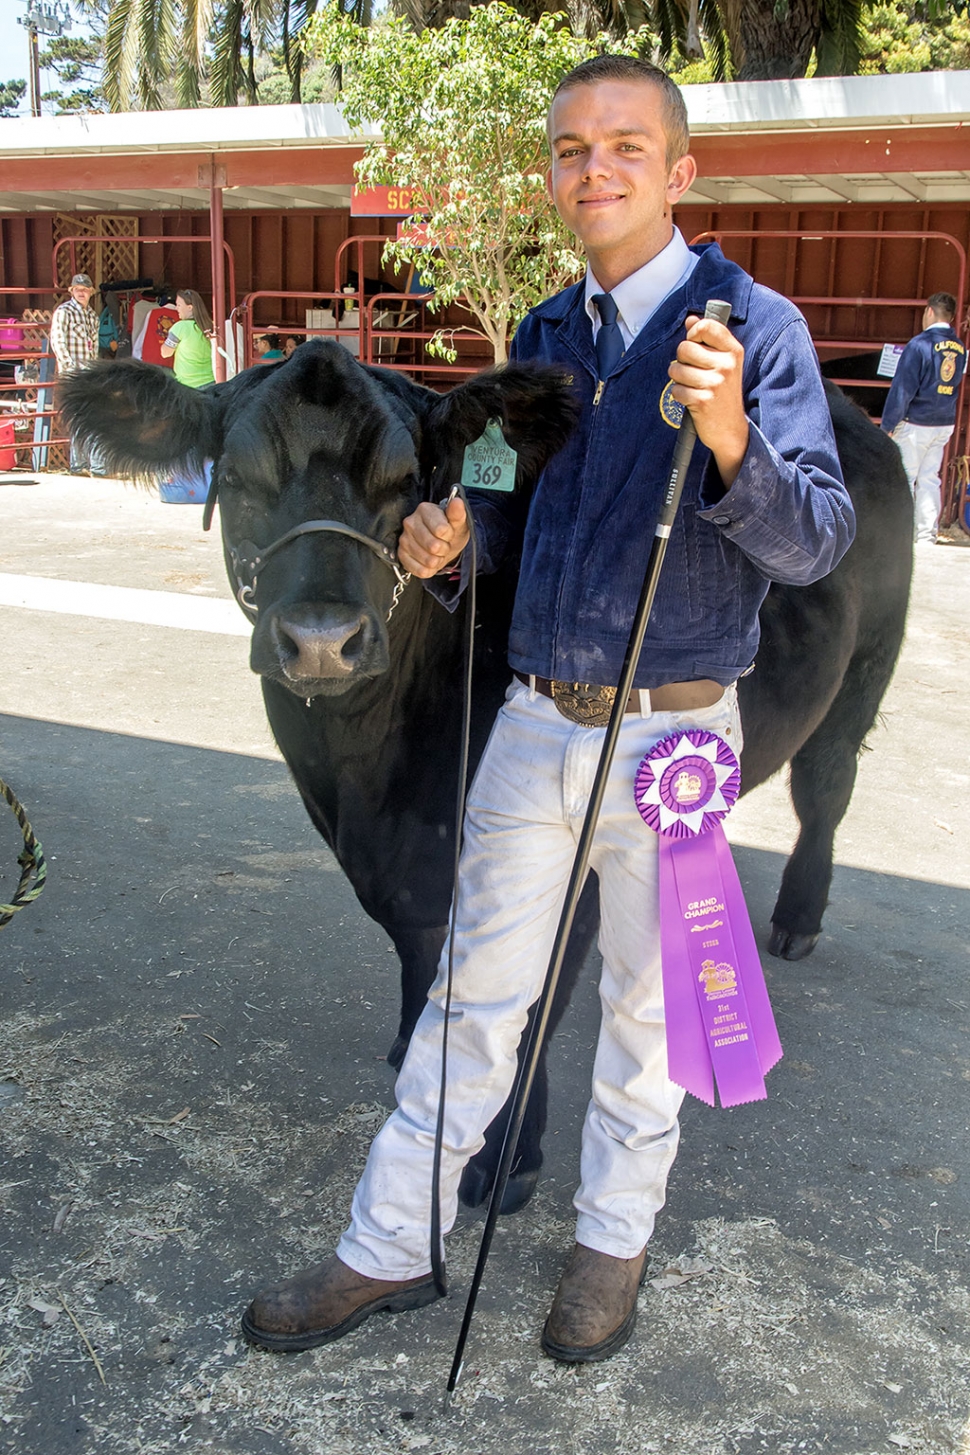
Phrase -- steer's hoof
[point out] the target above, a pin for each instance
(518, 1190)
(476, 1186)
(395, 1056)
(789, 946)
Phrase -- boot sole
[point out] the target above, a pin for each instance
(591, 1353)
(393, 1303)
(606, 1348)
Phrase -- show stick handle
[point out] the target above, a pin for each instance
(686, 439)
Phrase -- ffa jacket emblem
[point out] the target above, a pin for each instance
(671, 411)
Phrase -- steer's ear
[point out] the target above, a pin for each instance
(141, 418)
(535, 405)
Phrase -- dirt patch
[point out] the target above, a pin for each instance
(953, 535)
(141, 1218)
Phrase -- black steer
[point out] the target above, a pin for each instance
(850, 368)
(364, 698)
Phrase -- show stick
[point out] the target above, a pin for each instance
(683, 450)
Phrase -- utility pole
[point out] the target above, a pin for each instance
(44, 17)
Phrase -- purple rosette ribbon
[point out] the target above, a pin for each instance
(718, 1015)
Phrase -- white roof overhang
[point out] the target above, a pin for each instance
(873, 140)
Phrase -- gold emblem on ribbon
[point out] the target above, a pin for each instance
(718, 979)
(583, 702)
(688, 787)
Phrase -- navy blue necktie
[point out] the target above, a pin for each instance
(609, 340)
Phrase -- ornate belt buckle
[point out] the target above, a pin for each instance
(583, 702)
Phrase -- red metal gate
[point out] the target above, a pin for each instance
(956, 467)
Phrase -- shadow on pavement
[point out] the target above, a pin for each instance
(194, 1018)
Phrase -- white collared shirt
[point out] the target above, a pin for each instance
(638, 297)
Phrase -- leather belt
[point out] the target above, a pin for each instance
(590, 706)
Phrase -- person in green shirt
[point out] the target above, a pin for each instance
(189, 341)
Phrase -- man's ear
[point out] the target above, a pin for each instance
(142, 420)
(681, 178)
(534, 404)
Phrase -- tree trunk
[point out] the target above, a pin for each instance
(777, 38)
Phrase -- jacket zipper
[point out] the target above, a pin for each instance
(600, 386)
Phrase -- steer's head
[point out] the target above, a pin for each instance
(319, 437)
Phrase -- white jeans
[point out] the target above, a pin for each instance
(525, 812)
(922, 446)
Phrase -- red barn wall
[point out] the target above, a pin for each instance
(296, 251)
(273, 250)
(854, 268)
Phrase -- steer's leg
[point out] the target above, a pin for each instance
(419, 952)
(823, 774)
(479, 1175)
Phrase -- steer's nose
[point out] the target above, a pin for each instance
(324, 644)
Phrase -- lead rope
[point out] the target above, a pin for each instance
(31, 861)
(438, 1268)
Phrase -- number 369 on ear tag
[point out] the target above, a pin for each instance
(489, 462)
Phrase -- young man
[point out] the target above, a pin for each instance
(763, 499)
(921, 406)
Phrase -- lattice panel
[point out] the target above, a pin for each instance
(33, 338)
(118, 258)
(80, 225)
(103, 261)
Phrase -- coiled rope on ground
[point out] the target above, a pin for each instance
(32, 862)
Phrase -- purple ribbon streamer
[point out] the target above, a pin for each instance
(719, 1022)
(720, 1027)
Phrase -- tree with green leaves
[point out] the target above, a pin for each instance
(76, 62)
(159, 53)
(613, 18)
(763, 40)
(759, 40)
(461, 111)
(11, 95)
(901, 37)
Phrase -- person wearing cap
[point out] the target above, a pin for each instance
(74, 344)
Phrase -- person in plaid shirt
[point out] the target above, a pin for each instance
(74, 344)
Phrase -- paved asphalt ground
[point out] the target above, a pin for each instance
(193, 1021)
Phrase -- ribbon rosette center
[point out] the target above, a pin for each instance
(687, 784)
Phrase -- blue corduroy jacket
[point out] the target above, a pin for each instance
(927, 380)
(591, 520)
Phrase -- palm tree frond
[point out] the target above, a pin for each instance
(225, 75)
(839, 44)
(119, 57)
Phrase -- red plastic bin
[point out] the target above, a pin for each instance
(8, 456)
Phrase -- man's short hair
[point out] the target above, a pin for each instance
(81, 280)
(943, 304)
(631, 68)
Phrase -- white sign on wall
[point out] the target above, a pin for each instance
(889, 359)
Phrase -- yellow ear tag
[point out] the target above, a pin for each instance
(489, 462)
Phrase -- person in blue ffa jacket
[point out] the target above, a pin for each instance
(763, 500)
(921, 406)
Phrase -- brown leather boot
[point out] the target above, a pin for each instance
(595, 1308)
(324, 1303)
